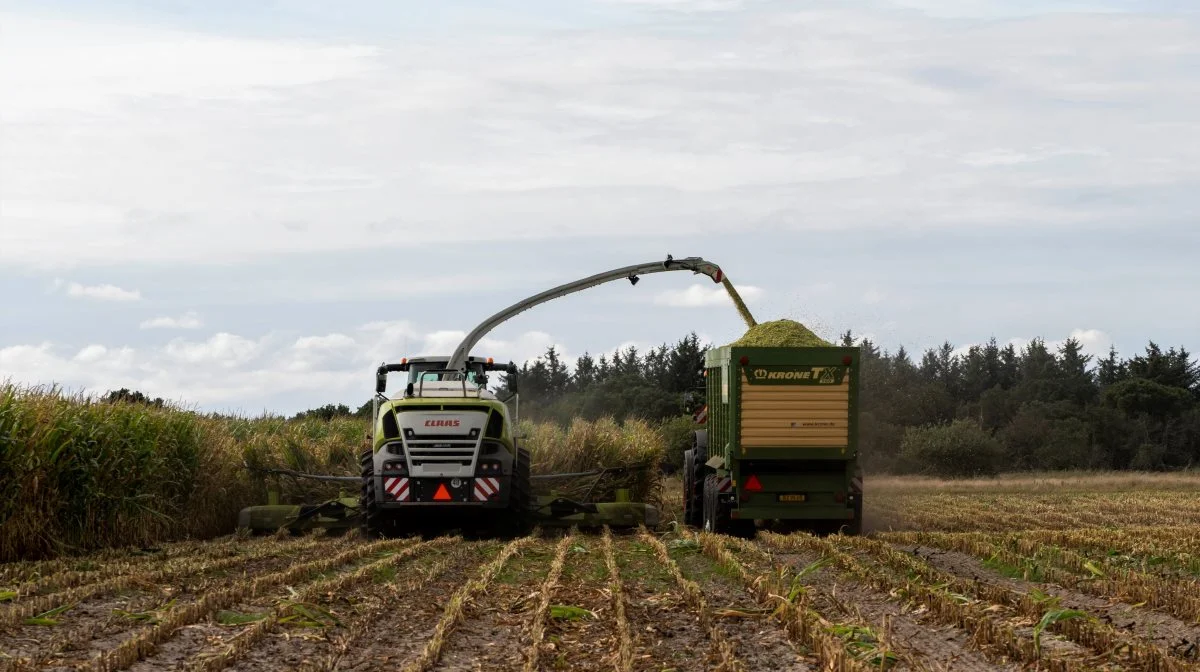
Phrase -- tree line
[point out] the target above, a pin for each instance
(987, 409)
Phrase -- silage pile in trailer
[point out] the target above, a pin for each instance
(780, 334)
(634, 448)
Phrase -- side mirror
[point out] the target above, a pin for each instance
(408, 390)
(380, 382)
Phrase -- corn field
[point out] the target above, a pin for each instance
(79, 474)
(1033, 586)
(1039, 572)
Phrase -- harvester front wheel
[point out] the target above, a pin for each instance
(517, 520)
(522, 489)
(375, 520)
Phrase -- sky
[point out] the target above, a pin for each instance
(247, 207)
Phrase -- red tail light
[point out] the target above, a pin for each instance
(752, 484)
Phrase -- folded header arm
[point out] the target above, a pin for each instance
(695, 264)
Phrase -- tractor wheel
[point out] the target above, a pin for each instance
(376, 521)
(694, 496)
(690, 515)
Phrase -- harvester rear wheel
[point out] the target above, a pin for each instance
(377, 522)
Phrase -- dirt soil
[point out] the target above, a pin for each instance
(95, 625)
(1178, 637)
(757, 641)
(666, 632)
(919, 640)
(386, 620)
(494, 634)
(587, 640)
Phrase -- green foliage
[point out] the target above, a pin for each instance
(1142, 396)
(677, 435)
(1052, 617)
(959, 449)
(566, 612)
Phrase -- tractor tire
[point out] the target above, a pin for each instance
(694, 476)
(376, 522)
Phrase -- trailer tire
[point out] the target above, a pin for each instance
(717, 514)
(855, 527)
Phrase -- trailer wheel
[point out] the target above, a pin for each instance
(717, 518)
(377, 522)
(855, 527)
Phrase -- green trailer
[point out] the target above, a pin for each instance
(780, 444)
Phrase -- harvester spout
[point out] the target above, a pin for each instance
(632, 273)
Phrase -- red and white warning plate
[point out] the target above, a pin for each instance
(486, 487)
(397, 487)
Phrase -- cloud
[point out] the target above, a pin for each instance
(1008, 157)
(102, 292)
(634, 129)
(188, 320)
(873, 296)
(698, 296)
(228, 369)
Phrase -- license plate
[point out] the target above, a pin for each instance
(793, 498)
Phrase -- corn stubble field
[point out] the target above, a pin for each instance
(1086, 573)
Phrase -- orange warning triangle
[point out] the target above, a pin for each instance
(442, 494)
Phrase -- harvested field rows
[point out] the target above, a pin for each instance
(919, 596)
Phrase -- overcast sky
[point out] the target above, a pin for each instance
(248, 206)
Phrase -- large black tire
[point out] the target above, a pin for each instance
(376, 522)
(690, 514)
(695, 471)
(717, 517)
(519, 517)
(855, 527)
